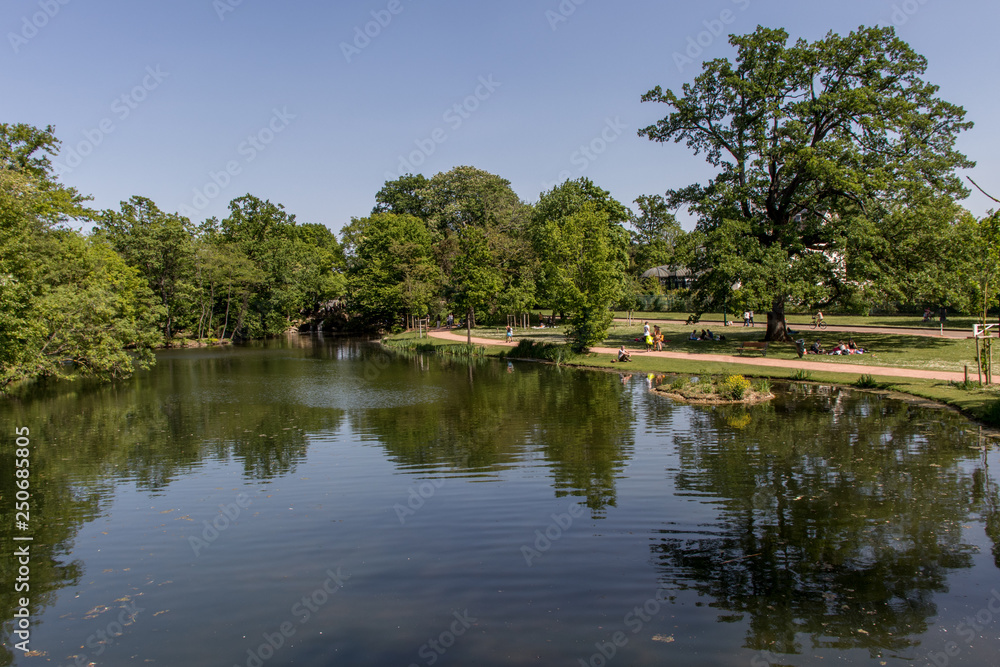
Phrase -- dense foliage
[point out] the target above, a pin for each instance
(834, 158)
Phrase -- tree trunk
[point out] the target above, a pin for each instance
(468, 327)
(211, 310)
(243, 312)
(225, 324)
(776, 330)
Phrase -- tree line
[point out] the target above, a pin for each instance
(98, 304)
(836, 189)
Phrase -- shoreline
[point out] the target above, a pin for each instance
(913, 386)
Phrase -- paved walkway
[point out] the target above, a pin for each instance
(804, 364)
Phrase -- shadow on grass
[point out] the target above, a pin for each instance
(879, 348)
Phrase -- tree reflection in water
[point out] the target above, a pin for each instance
(840, 535)
(580, 422)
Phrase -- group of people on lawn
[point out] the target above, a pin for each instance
(654, 340)
(706, 334)
(841, 348)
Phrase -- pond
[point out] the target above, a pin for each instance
(320, 502)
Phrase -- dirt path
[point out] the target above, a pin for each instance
(804, 364)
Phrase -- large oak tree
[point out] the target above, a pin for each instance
(817, 145)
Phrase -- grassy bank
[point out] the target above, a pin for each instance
(980, 404)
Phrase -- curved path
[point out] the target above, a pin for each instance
(884, 371)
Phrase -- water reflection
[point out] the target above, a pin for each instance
(839, 517)
(825, 519)
(487, 419)
(148, 432)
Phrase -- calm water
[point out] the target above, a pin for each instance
(320, 503)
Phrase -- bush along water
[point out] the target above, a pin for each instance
(734, 387)
(527, 348)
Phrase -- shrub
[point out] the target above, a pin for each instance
(966, 385)
(678, 383)
(528, 348)
(734, 386)
(867, 382)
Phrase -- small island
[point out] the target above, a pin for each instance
(730, 390)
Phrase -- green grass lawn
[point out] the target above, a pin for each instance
(900, 350)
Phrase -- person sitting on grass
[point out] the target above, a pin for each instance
(704, 335)
(852, 347)
(694, 335)
(623, 354)
(840, 348)
(817, 348)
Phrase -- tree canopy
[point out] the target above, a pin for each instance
(583, 252)
(69, 304)
(816, 144)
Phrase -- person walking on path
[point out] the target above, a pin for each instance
(746, 318)
(751, 318)
(510, 334)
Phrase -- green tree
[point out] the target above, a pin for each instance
(815, 143)
(100, 316)
(908, 254)
(573, 196)
(320, 273)
(265, 234)
(222, 275)
(568, 239)
(69, 305)
(657, 234)
(585, 259)
(391, 268)
(981, 272)
(478, 225)
(160, 246)
(405, 195)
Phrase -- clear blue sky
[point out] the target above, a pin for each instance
(162, 95)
